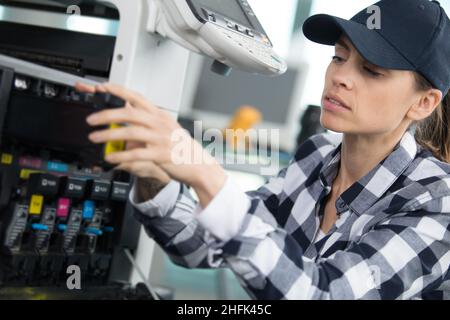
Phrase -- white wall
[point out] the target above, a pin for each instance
(277, 22)
(446, 5)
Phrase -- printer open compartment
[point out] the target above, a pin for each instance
(61, 205)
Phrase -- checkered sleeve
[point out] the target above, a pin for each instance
(171, 219)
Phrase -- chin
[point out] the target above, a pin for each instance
(332, 123)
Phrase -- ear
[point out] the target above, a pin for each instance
(425, 105)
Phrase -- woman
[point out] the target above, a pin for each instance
(365, 215)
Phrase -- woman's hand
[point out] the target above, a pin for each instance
(157, 146)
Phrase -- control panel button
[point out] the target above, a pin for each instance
(29, 162)
(100, 190)
(108, 229)
(88, 209)
(94, 231)
(76, 96)
(57, 166)
(120, 191)
(39, 227)
(50, 90)
(75, 188)
(240, 28)
(21, 83)
(7, 158)
(26, 173)
(212, 17)
(63, 208)
(44, 184)
(36, 204)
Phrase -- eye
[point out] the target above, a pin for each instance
(337, 59)
(372, 72)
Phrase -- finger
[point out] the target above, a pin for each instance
(101, 88)
(140, 166)
(135, 134)
(122, 115)
(134, 98)
(144, 169)
(83, 87)
(134, 145)
(143, 154)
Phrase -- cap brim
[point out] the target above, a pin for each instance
(327, 29)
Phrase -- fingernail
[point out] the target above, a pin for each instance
(92, 119)
(93, 137)
(109, 158)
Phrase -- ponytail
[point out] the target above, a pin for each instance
(433, 133)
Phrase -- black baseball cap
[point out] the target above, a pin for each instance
(413, 35)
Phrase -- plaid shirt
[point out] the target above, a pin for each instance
(391, 239)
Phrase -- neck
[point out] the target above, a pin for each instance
(361, 153)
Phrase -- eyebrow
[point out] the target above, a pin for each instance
(343, 44)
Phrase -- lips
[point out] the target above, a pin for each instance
(336, 100)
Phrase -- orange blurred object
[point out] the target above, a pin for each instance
(245, 118)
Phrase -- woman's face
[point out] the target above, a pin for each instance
(360, 98)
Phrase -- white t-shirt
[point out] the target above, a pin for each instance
(319, 235)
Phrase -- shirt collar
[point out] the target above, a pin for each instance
(366, 191)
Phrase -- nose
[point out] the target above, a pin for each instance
(342, 76)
